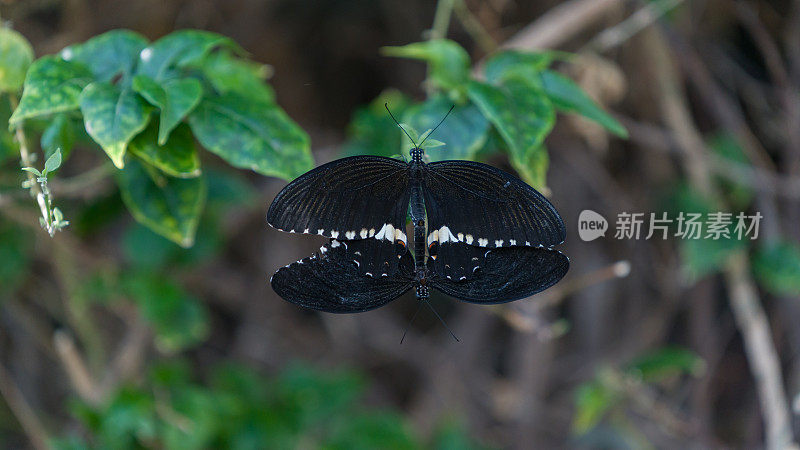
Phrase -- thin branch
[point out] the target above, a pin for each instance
(561, 23)
(441, 19)
(474, 27)
(647, 15)
(22, 410)
(26, 160)
(83, 382)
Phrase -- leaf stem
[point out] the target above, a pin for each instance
(27, 161)
(441, 19)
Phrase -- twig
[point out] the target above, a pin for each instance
(441, 19)
(761, 354)
(22, 410)
(77, 371)
(641, 19)
(473, 26)
(27, 161)
(129, 356)
(561, 23)
(526, 317)
(77, 185)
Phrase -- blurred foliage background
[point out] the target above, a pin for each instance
(156, 327)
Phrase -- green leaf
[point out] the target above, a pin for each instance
(175, 98)
(569, 97)
(702, 256)
(113, 116)
(59, 134)
(171, 209)
(412, 133)
(229, 189)
(464, 131)
(777, 267)
(533, 167)
(667, 362)
(521, 114)
(252, 134)
(52, 163)
(515, 63)
(726, 146)
(109, 54)
(51, 86)
(32, 170)
(592, 401)
(178, 319)
(180, 49)
(449, 63)
(372, 132)
(16, 55)
(432, 143)
(228, 73)
(177, 158)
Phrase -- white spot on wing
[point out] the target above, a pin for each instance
(400, 236)
(468, 239)
(445, 235)
(334, 234)
(335, 244)
(371, 232)
(512, 242)
(363, 233)
(350, 235)
(320, 231)
(498, 243)
(305, 231)
(483, 242)
(461, 237)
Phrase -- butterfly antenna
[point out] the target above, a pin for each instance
(442, 320)
(419, 305)
(437, 126)
(386, 105)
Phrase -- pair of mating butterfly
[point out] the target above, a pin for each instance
(480, 234)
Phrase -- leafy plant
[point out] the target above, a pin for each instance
(614, 391)
(517, 98)
(144, 104)
(301, 407)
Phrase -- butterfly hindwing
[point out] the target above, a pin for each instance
(480, 205)
(506, 274)
(330, 281)
(456, 262)
(350, 198)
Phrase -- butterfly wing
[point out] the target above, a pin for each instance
(330, 281)
(350, 198)
(505, 274)
(356, 198)
(480, 205)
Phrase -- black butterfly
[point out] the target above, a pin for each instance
(330, 281)
(467, 204)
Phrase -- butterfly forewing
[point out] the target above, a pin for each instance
(480, 205)
(350, 198)
(505, 274)
(331, 282)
